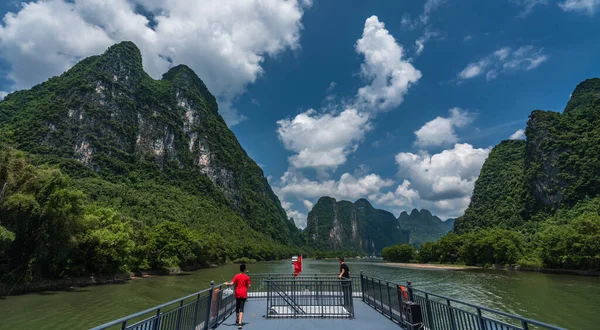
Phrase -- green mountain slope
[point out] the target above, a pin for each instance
(154, 151)
(557, 167)
(423, 226)
(537, 202)
(498, 197)
(347, 226)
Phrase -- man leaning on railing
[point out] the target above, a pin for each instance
(345, 277)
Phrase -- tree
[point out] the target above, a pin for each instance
(428, 252)
(399, 253)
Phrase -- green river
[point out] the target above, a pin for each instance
(572, 302)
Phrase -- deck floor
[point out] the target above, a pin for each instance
(365, 318)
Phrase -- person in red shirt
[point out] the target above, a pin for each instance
(242, 283)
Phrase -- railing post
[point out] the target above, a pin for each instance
(196, 312)
(381, 297)
(268, 294)
(179, 315)
(157, 320)
(208, 305)
(452, 320)
(322, 296)
(481, 320)
(410, 291)
(387, 285)
(124, 325)
(219, 296)
(525, 325)
(428, 309)
(362, 285)
(350, 298)
(294, 293)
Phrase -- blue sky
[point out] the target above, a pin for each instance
(398, 102)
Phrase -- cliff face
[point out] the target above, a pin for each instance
(108, 115)
(558, 165)
(347, 226)
(423, 226)
(498, 196)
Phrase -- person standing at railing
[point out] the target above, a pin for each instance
(345, 277)
(242, 283)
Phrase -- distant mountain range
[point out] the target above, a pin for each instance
(346, 226)
(424, 226)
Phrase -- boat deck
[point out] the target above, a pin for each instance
(365, 318)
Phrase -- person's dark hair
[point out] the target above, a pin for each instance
(342, 259)
(242, 268)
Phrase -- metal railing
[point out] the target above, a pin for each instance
(436, 312)
(201, 311)
(259, 288)
(305, 297)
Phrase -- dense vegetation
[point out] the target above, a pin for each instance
(423, 226)
(399, 253)
(568, 240)
(352, 228)
(52, 228)
(536, 202)
(105, 169)
(498, 197)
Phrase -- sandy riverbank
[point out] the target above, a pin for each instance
(430, 266)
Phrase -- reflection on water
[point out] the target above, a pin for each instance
(568, 301)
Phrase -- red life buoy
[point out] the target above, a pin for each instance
(404, 291)
(214, 303)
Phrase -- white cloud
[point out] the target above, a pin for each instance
(526, 58)
(449, 174)
(442, 183)
(347, 187)
(429, 8)
(441, 131)
(518, 135)
(3, 95)
(308, 204)
(331, 87)
(299, 217)
(403, 196)
(502, 53)
(420, 43)
(473, 70)
(390, 75)
(583, 6)
(528, 5)
(322, 140)
(224, 41)
(504, 60)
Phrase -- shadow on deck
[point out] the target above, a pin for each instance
(365, 318)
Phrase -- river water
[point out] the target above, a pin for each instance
(572, 302)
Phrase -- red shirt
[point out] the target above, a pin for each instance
(242, 282)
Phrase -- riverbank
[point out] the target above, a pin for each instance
(495, 267)
(430, 266)
(78, 282)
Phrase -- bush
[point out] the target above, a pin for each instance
(244, 260)
(399, 253)
(530, 262)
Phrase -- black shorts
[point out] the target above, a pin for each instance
(239, 305)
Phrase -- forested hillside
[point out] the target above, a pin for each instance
(537, 202)
(348, 228)
(357, 227)
(423, 226)
(105, 169)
